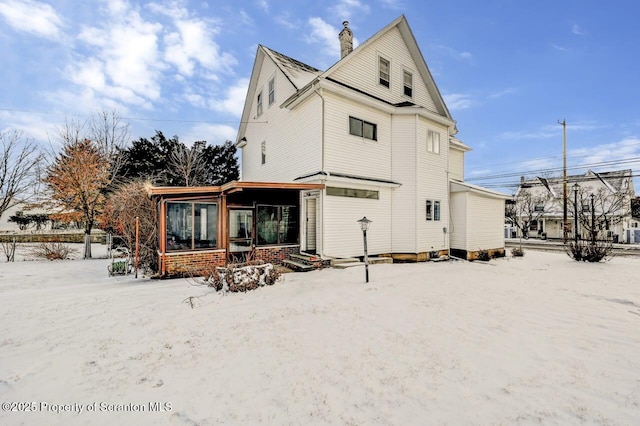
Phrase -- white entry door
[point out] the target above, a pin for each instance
(310, 226)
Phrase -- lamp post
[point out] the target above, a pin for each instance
(364, 225)
(593, 220)
(576, 187)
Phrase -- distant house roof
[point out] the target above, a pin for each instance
(614, 180)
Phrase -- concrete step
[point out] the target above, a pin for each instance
(297, 266)
(378, 260)
(305, 258)
(335, 262)
(345, 265)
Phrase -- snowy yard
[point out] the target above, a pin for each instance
(539, 339)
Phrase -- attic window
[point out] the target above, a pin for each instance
(408, 84)
(384, 72)
(259, 104)
(272, 90)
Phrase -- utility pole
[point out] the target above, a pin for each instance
(565, 223)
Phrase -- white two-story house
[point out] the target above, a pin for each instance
(375, 131)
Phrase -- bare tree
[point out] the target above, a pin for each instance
(528, 207)
(602, 208)
(19, 165)
(187, 164)
(111, 135)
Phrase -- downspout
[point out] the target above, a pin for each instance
(321, 167)
(448, 239)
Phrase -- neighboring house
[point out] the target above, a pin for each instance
(375, 131)
(612, 191)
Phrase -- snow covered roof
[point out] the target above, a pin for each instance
(299, 73)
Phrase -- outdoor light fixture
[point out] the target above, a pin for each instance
(576, 187)
(364, 225)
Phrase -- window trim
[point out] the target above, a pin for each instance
(192, 218)
(278, 221)
(259, 106)
(382, 81)
(271, 89)
(365, 194)
(362, 123)
(433, 147)
(404, 84)
(433, 210)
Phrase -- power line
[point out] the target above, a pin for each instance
(172, 120)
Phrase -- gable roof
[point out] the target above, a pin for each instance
(411, 43)
(303, 76)
(613, 180)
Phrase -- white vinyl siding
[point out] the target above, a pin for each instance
(485, 222)
(347, 154)
(458, 230)
(343, 236)
(456, 164)
(433, 185)
(404, 172)
(478, 221)
(293, 136)
(362, 71)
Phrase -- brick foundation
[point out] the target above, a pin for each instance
(198, 263)
(275, 254)
(193, 263)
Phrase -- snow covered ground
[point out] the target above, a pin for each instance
(539, 339)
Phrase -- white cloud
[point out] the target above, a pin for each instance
(263, 4)
(559, 48)
(215, 134)
(394, 4)
(458, 101)
(549, 131)
(193, 42)
(233, 101)
(326, 35)
(286, 21)
(575, 28)
(345, 9)
(33, 17)
(502, 93)
(625, 149)
(461, 56)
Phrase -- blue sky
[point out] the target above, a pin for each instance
(508, 69)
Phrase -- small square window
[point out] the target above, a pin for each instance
(384, 72)
(408, 84)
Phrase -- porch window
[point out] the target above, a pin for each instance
(240, 230)
(191, 226)
(277, 225)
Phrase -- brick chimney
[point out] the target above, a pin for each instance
(346, 40)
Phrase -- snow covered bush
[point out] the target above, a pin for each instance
(242, 278)
(517, 252)
(52, 251)
(588, 251)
